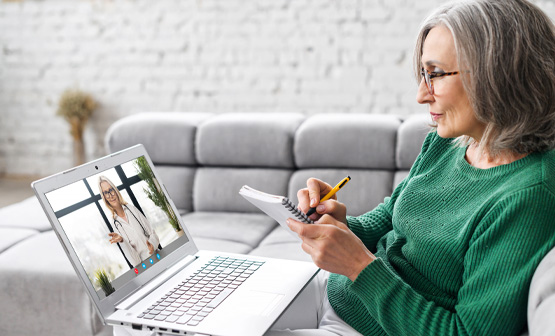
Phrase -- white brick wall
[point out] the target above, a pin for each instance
(204, 55)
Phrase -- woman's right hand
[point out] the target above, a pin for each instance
(115, 238)
(310, 196)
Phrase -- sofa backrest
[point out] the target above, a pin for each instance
(204, 159)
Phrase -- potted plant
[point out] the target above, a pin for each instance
(155, 194)
(104, 282)
(76, 107)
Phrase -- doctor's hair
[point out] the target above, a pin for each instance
(505, 54)
(101, 179)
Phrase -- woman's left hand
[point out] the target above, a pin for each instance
(150, 247)
(333, 246)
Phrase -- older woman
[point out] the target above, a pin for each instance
(453, 250)
(134, 232)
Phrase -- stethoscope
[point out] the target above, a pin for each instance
(116, 222)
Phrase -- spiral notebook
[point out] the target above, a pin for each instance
(279, 208)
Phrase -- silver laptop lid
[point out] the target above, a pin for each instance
(80, 204)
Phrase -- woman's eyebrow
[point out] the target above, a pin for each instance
(434, 62)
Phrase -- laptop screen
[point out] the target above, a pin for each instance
(119, 223)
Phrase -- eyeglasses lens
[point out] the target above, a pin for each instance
(428, 81)
(109, 192)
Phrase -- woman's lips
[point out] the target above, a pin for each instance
(435, 116)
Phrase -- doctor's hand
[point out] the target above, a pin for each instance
(333, 246)
(150, 247)
(115, 238)
(310, 197)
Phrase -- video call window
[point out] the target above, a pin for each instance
(87, 221)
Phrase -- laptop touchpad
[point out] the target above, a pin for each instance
(259, 303)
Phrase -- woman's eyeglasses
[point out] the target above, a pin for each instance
(109, 192)
(429, 77)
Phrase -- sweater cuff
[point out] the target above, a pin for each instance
(374, 285)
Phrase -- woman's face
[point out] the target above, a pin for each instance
(449, 105)
(109, 194)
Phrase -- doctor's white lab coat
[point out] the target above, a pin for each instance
(134, 239)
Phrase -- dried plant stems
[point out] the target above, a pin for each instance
(76, 107)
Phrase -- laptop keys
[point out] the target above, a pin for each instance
(196, 297)
(218, 299)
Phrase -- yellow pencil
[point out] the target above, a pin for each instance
(330, 194)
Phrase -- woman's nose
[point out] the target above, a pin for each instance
(423, 96)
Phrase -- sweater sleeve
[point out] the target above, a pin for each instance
(507, 246)
(373, 225)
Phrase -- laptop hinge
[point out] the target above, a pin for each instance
(154, 283)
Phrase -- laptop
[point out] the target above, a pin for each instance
(117, 224)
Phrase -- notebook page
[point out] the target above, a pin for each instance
(270, 205)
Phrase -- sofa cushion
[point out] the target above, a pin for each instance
(410, 137)
(541, 301)
(399, 177)
(278, 236)
(12, 236)
(364, 192)
(347, 141)
(244, 228)
(168, 137)
(36, 274)
(248, 140)
(25, 214)
(179, 183)
(217, 189)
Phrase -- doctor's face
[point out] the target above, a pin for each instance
(109, 194)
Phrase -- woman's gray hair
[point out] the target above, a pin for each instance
(506, 55)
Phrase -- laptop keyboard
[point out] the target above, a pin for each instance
(195, 298)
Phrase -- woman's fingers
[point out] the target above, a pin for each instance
(310, 196)
(308, 231)
(116, 238)
(316, 190)
(328, 219)
(332, 246)
(333, 208)
(304, 200)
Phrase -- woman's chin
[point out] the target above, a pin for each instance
(443, 133)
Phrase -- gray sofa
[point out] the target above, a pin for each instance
(204, 159)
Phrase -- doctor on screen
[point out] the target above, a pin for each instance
(132, 229)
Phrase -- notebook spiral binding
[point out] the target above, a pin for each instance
(301, 216)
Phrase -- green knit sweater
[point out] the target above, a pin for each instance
(456, 245)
